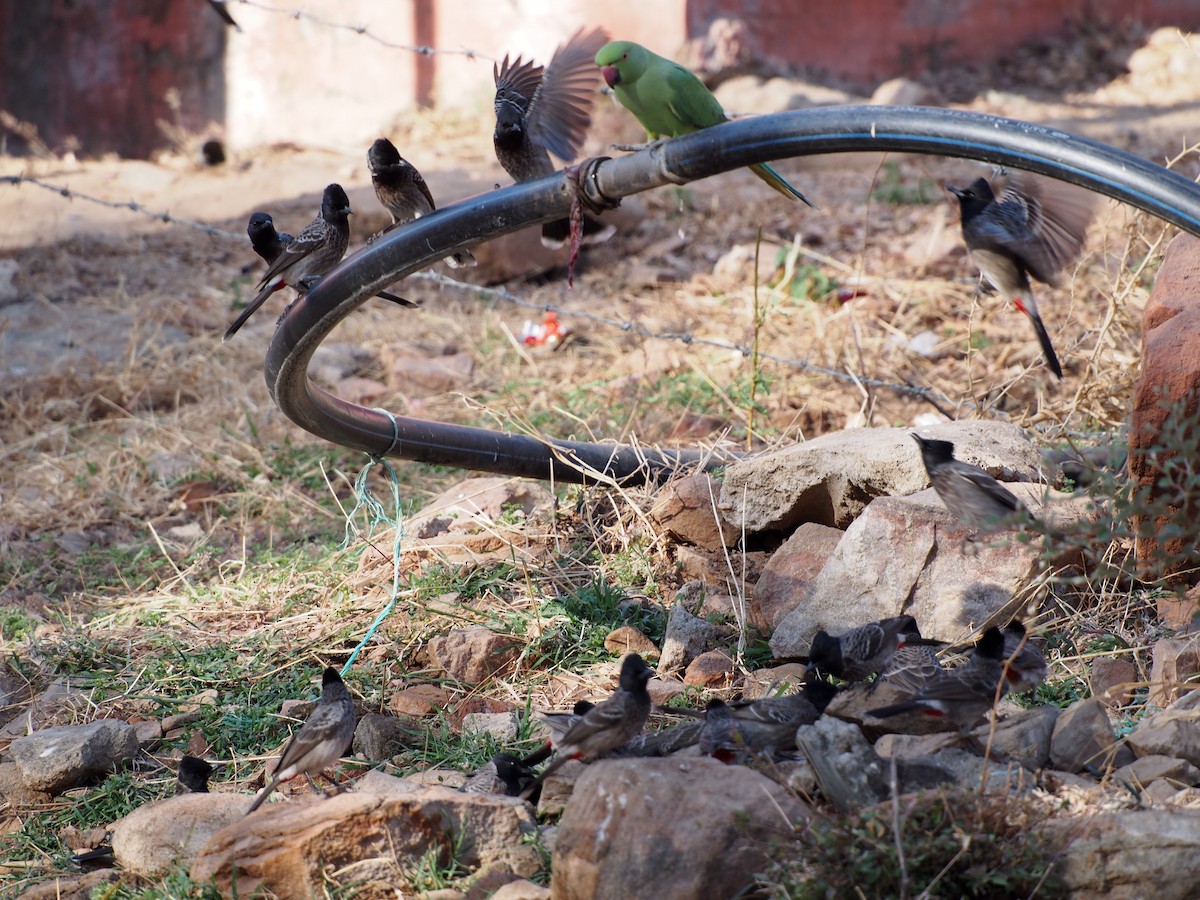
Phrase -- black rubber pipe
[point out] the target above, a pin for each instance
(1006, 142)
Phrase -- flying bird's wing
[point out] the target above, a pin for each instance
(559, 113)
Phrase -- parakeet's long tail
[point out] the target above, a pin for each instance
(777, 181)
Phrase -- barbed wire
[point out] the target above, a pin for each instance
(363, 30)
(131, 205)
(934, 397)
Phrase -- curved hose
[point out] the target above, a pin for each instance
(601, 182)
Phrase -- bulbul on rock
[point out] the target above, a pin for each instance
(608, 725)
(321, 740)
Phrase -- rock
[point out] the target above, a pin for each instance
(378, 737)
(1175, 731)
(415, 373)
(1167, 399)
(628, 639)
(335, 361)
(1022, 737)
(472, 655)
(783, 679)
(72, 887)
(685, 509)
(1113, 679)
(662, 691)
(14, 790)
(502, 726)
(149, 732)
(1128, 854)
(686, 638)
(478, 503)
(290, 849)
(557, 789)
(1146, 769)
(937, 570)
(832, 478)
(956, 766)
(1175, 664)
(640, 828)
(165, 834)
(419, 700)
(711, 669)
(56, 705)
(1083, 738)
(848, 770)
(374, 781)
(900, 92)
(56, 759)
(789, 576)
(522, 889)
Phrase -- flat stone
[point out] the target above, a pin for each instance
(1174, 731)
(1128, 854)
(288, 849)
(832, 478)
(1146, 769)
(419, 700)
(163, 835)
(56, 759)
(936, 569)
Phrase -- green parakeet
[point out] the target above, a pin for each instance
(669, 100)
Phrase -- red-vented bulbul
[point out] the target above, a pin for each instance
(403, 192)
(963, 695)
(610, 724)
(1033, 227)
(861, 652)
(543, 111)
(971, 494)
(317, 249)
(321, 740)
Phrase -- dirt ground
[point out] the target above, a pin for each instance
(149, 482)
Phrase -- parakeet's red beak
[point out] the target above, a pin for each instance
(612, 75)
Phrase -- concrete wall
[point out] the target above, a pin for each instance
(100, 69)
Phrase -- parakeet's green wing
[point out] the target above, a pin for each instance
(690, 101)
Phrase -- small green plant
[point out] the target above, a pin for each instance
(894, 189)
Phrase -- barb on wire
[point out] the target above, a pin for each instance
(923, 393)
(131, 205)
(419, 49)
